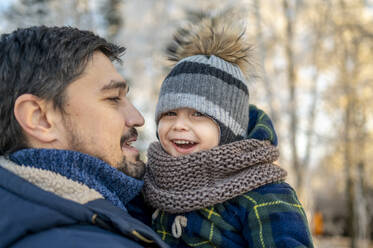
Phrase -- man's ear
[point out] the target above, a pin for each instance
(34, 116)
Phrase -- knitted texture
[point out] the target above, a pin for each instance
(113, 185)
(211, 86)
(197, 180)
(52, 182)
(268, 216)
(214, 60)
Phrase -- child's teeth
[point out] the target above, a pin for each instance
(182, 142)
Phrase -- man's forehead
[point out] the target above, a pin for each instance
(100, 76)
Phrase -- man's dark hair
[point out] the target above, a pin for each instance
(42, 61)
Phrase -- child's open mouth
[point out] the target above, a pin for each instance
(184, 146)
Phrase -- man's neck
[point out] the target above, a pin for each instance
(81, 168)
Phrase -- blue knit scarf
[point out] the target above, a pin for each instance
(114, 185)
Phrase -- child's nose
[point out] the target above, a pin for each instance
(181, 124)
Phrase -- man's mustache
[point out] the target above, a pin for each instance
(132, 133)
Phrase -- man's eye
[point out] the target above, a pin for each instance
(114, 99)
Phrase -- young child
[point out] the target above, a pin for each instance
(211, 177)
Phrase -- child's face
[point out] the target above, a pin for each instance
(184, 131)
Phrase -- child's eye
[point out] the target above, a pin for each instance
(198, 114)
(169, 113)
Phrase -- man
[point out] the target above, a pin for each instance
(67, 167)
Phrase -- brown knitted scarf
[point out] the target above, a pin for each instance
(201, 179)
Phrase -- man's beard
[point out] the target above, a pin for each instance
(134, 168)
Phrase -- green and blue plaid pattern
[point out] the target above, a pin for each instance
(267, 217)
(260, 126)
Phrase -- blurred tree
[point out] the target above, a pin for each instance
(262, 56)
(290, 14)
(23, 12)
(298, 15)
(78, 13)
(317, 81)
(352, 57)
(113, 17)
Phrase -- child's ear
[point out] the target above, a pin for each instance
(35, 117)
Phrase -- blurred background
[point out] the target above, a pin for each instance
(316, 83)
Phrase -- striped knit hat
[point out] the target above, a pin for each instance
(209, 76)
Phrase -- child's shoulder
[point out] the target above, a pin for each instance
(280, 187)
(271, 194)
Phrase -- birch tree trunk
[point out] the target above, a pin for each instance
(293, 104)
(262, 57)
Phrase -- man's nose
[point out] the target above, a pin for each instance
(133, 117)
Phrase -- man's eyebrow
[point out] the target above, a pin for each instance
(115, 85)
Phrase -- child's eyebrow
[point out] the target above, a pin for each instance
(115, 85)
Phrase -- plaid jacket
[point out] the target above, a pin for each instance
(270, 216)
